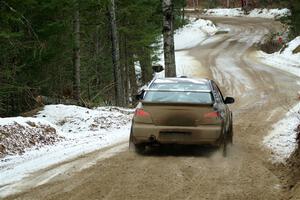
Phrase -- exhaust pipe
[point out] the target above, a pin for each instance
(152, 139)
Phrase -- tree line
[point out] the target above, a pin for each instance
(77, 51)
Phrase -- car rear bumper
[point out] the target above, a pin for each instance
(149, 133)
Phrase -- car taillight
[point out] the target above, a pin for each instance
(212, 115)
(139, 112)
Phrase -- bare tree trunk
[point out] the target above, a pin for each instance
(132, 80)
(119, 92)
(126, 75)
(146, 64)
(168, 34)
(228, 3)
(76, 52)
(97, 54)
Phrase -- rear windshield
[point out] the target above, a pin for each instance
(178, 97)
(173, 85)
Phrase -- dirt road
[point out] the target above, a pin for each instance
(262, 95)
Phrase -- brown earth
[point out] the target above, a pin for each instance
(263, 95)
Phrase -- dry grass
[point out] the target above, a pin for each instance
(32, 112)
(270, 46)
(16, 138)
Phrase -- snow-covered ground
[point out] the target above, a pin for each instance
(282, 139)
(257, 12)
(284, 59)
(83, 130)
(193, 33)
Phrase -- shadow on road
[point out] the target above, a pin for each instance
(181, 150)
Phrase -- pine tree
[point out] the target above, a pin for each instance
(168, 37)
(116, 56)
(76, 51)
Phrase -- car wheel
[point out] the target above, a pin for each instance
(131, 144)
(223, 145)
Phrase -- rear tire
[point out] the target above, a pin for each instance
(131, 144)
(223, 144)
(230, 135)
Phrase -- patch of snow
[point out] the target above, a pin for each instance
(85, 130)
(282, 140)
(269, 13)
(291, 46)
(190, 9)
(193, 33)
(185, 66)
(23, 121)
(284, 60)
(74, 120)
(224, 12)
(257, 12)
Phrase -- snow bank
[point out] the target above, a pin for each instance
(79, 120)
(238, 12)
(282, 140)
(193, 34)
(83, 130)
(270, 13)
(284, 59)
(222, 12)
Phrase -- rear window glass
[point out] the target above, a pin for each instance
(178, 97)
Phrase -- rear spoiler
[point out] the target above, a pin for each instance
(150, 103)
(175, 90)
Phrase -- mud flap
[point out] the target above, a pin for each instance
(131, 144)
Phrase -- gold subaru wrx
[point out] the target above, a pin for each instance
(181, 111)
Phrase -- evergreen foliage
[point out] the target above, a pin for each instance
(37, 41)
(295, 18)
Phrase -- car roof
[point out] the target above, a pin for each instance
(182, 80)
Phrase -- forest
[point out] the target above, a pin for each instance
(63, 51)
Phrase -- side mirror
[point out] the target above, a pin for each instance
(157, 68)
(140, 95)
(229, 100)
